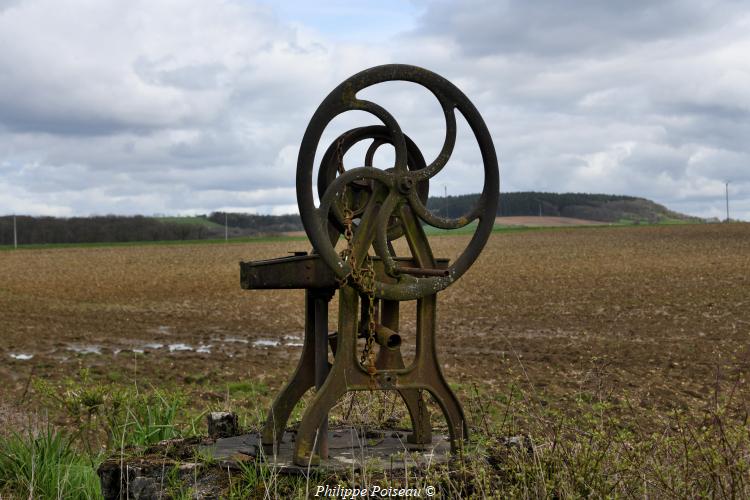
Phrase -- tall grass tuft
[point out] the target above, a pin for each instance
(144, 419)
(122, 416)
(45, 466)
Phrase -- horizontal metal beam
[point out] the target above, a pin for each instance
(310, 272)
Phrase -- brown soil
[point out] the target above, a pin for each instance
(532, 221)
(654, 313)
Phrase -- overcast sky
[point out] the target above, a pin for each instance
(192, 106)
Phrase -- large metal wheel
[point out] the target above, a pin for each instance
(394, 192)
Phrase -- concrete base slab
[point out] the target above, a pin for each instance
(348, 450)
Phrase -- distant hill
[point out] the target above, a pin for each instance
(595, 207)
(113, 228)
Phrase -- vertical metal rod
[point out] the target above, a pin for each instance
(389, 314)
(726, 185)
(15, 233)
(321, 365)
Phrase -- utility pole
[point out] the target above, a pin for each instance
(540, 209)
(445, 198)
(726, 185)
(226, 226)
(15, 233)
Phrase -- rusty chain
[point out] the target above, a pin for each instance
(364, 277)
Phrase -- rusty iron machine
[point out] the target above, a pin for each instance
(370, 207)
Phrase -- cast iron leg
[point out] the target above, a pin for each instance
(304, 378)
(432, 375)
(392, 359)
(344, 374)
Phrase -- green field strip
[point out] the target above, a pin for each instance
(430, 231)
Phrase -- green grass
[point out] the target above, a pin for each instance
(121, 415)
(257, 480)
(46, 466)
(663, 221)
(429, 230)
(468, 229)
(589, 443)
(148, 419)
(193, 220)
(669, 221)
(248, 388)
(176, 487)
(503, 228)
(214, 241)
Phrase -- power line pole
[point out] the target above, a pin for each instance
(445, 198)
(726, 185)
(226, 226)
(15, 233)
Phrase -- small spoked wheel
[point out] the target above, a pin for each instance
(387, 204)
(358, 193)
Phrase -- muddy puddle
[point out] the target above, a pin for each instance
(229, 346)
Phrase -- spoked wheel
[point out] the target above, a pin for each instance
(358, 193)
(387, 202)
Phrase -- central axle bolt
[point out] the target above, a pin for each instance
(405, 185)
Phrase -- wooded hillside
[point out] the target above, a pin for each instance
(598, 207)
(114, 228)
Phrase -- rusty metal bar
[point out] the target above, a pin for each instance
(423, 271)
(304, 271)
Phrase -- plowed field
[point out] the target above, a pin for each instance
(654, 313)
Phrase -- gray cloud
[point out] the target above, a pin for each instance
(562, 29)
(188, 107)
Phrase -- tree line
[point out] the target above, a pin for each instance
(96, 229)
(116, 228)
(258, 224)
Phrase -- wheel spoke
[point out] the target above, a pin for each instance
(370, 155)
(444, 222)
(381, 233)
(399, 142)
(445, 153)
(417, 240)
(365, 233)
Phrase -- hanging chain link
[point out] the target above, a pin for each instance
(364, 275)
